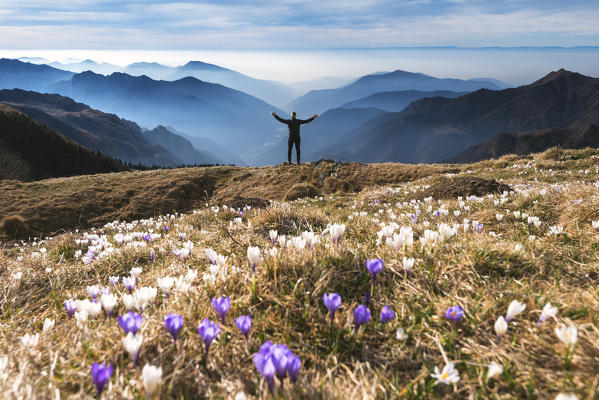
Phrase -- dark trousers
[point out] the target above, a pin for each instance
(293, 140)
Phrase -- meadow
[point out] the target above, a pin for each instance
(441, 294)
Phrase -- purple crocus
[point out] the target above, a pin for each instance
(152, 255)
(208, 331)
(387, 314)
(244, 323)
(166, 228)
(454, 313)
(374, 266)
(147, 237)
(129, 283)
(101, 374)
(281, 358)
(263, 360)
(221, 305)
(293, 368)
(71, 307)
(332, 302)
(173, 323)
(130, 322)
(361, 316)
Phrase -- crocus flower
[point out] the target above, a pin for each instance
(165, 284)
(152, 255)
(500, 326)
(244, 323)
(263, 360)
(114, 280)
(566, 396)
(401, 334)
(253, 257)
(361, 316)
(108, 302)
(281, 358)
(166, 228)
(101, 374)
(273, 236)
(293, 368)
(514, 309)
(48, 325)
(173, 323)
(549, 311)
(132, 344)
(408, 264)
(71, 306)
(568, 335)
(208, 331)
(130, 322)
(494, 370)
(93, 291)
(454, 313)
(221, 305)
(387, 314)
(151, 377)
(374, 266)
(332, 302)
(448, 375)
(129, 283)
(336, 231)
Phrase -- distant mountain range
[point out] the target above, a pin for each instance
(31, 151)
(398, 100)
(318, 101)
(522, 143)
(15, 74)
(106, 133)
(435, 129)
(270, 91)
(233, 119)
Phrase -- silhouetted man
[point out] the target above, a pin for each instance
(294, 132)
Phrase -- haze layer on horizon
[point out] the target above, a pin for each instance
(516, 66)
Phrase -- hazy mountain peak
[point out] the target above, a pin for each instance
(200, 65)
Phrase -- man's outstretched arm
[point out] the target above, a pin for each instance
(305, 121)
(285, 121)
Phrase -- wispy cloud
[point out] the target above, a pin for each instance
(268, 24)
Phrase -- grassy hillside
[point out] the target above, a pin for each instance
(483, 266)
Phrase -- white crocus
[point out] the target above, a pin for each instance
(220, 260)
(166, 284)
(48, 325)
(144, 296)
(448, 375)
(273, 236)
(298, 242)
(30, 341)
(211, 255)
(595, 224)
(93, 291)
(566, 396)
(132, 344)
(151, 377)
(499, 217)
(500, 326)
(518, 247)
(401, 334)
(108, 302)
(408, 264)
(494, 370)
(549, 311)
(555, 230)
(336, 231)
(253, 255)
(128, 301)
(568, 335)
(514, 309)
(135, 272)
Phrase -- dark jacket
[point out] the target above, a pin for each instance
(294, 124)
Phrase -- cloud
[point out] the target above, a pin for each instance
(267, 24)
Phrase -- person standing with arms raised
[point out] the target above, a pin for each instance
(294, 132)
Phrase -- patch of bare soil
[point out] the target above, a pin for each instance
(451, 188)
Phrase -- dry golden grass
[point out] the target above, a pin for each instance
(482, 272)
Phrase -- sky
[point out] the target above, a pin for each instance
(287, 39)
